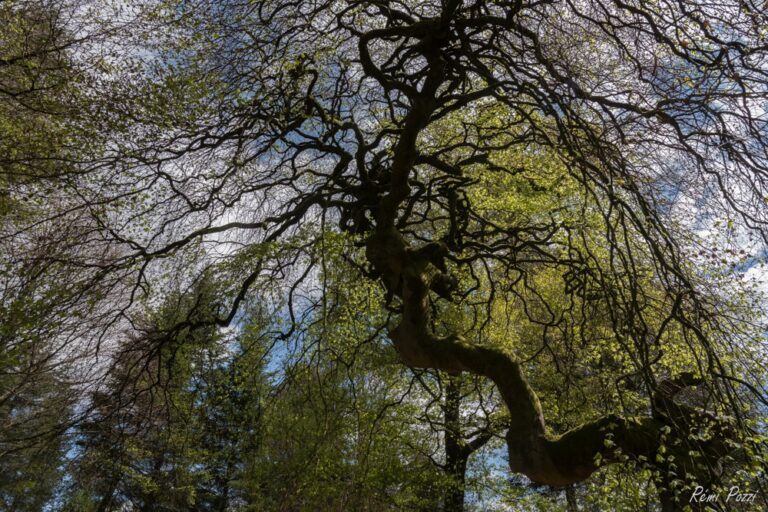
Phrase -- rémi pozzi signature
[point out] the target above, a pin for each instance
(702, 495)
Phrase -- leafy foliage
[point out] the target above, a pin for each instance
(336, 255)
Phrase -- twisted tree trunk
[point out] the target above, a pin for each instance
(544, 458)
(412, 274)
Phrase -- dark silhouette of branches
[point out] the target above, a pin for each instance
(254, 129)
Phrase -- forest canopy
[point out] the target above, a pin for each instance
(383, 255)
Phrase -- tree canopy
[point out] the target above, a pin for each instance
(302, 255)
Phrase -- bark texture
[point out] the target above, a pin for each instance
(556, 460)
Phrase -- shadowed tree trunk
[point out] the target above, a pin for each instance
(414, 273)
(570, 499)
(456, 455)
(458, 448)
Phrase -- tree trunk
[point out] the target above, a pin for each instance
(456, 454)
(570, 499)
(106, 501)
(417, 272)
